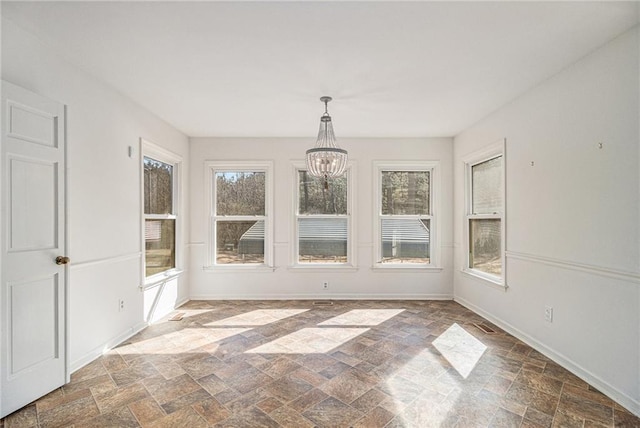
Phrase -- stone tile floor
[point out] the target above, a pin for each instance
(293, 364)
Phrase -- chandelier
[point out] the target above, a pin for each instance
(326, 159)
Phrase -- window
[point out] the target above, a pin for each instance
(160, 192)
(240, 214)
(405, 209)
(322, 220)
(485, 211)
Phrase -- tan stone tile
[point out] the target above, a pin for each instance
(93, 369)
(505, 419)
(346, 387)
(510, 405)
(345, 358)
(279, 367)
(287, 388)
(183, 418)
(332, 412)
(213, 384)
(252, 417)
(369, 400)
(24, 418)
(191, 398)
(564, 419)
(401, 389)
(88, 383)
(113, 362)
(309, 399)
(250, 380)
(316, 362)
(114, 399)
(165, 390)
(622, 418)
(269, 404)
(533, 398)
(50, 402)
(133, 374)
(378, 417)
(578, 402)
(146, 411)
(589, 394)
(538, 417)
(69, 413)
(287, 417)
(121, 418)
(212, 411)
(554, 370)
(169, 369)
(498, 385)
(309, 376)
(540, 382)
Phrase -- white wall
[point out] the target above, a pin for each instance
(103, 191)
(287, 283)
(573, 222)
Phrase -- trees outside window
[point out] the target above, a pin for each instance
(160, 192)
(322, 220)
(240, 217)
(405, 214)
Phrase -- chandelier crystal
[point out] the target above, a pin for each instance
(326, 159)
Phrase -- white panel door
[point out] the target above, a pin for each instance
(32, 236)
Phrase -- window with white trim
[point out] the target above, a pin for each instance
(161, 171)
(322, 220)
(485, 215)
(405, 227)
(240, 214)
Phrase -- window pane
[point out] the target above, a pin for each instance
(315, 199)
(405, 192)
(405, 241)
(240, 193)
(485, 243)
(322, 240)
(487, 186)
(240, 242)
(158, 187)
(160, 245)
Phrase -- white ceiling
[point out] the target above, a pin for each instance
(403, 69)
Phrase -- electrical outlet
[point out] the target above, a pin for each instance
(325, 285)
(120, 305)
(548, 314)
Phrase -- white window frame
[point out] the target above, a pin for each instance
(154, 151)
(351, 247)
(211, 169)
(490, 152)
(433, 167)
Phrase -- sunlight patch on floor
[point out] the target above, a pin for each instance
(257, 317)
(461, 349)
(363, 317)
(309, 341)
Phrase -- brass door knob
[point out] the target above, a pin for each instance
(62, 260)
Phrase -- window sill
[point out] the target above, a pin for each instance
(486, 279)
(322, 268)
(239, 268)
(405, 267)
(159, 278)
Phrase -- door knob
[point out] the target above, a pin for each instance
(62, 260)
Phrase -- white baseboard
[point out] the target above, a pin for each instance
(631, 404)
(107, 346)
(322, 296)
(181, 302)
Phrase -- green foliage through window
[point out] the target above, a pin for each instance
(315, 199)
(240, 193)
(405, 193)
